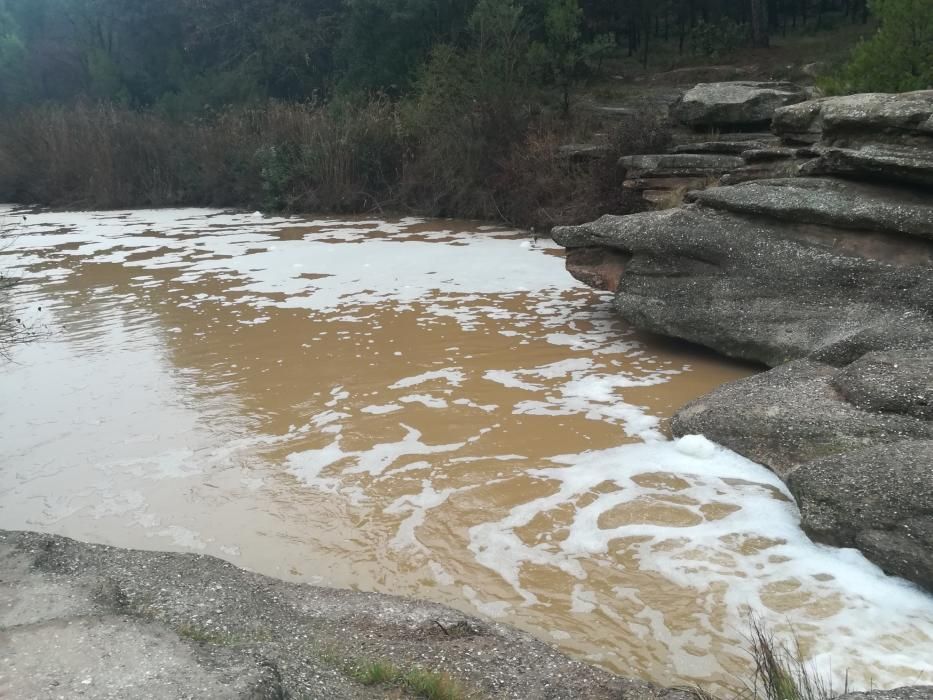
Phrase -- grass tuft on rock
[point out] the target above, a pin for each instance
(781, 673)
(433, 686)
(430, 685)
(376, 673)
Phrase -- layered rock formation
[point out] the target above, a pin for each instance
(719, 129)
(828, 277)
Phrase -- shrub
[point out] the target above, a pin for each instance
(469, 108)
(85, 156)
(899, 57)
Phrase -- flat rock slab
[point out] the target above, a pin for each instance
(910, 165)
(734, 144)
(678, 165)
(766, 153)
(792, 415)
(762, 170)
(584, 151)
(758, 289)
(80, 620)
(736, 104)
(905, 118)
(833, 202)
(879, 500)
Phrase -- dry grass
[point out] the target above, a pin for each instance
(781, 672)
(344, 157)
(280, 156)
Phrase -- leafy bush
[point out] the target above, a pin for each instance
(899, 57)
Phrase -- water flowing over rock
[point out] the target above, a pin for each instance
(792, 415)
(826, 276)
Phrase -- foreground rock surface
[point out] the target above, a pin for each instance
(79, 620)
(916, 692)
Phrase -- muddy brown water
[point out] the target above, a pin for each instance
(425, 408)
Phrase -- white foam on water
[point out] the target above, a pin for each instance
(415, 509)
(712, 556)
(453, 377)
(181, 537)
(308, 465)
(381, 409)
(246, 251)
(425, 400)
(511, 380)
(489, 608)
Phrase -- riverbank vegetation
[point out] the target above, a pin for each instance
(449, 108)
(429, 685)
(12, 328)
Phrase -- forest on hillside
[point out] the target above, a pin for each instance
(185, 55)
(436, 107)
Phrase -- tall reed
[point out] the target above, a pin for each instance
(348, 156)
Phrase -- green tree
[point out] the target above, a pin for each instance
(899, 57)
(12, 57)
(384, 42)
(563, 51)
(469, 107)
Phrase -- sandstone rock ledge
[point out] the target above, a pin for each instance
(826, 276)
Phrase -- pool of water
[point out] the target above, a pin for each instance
(425, 408)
